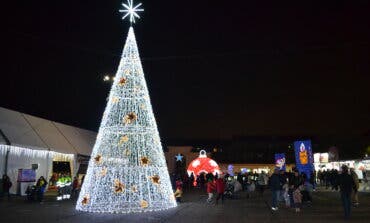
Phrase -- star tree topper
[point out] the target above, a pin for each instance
(130, 10)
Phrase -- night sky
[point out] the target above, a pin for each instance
(214, 68)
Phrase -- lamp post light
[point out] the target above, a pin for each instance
(106, 78)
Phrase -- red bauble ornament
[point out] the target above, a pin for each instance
(203, 164)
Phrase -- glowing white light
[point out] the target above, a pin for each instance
(203, 154)
(196, 163)
(106, 78)
(131, 10)
(34, 153)
(213, 163)
(127, 171)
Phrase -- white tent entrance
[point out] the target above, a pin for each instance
(27, 141)
(24, 158)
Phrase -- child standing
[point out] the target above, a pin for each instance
(286, 194)
(297, 197)
(178, 192)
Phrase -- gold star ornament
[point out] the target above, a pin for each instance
(115, 100)
(119, 187)
(123, 139)
(144, 161)
(126, 152)
(98, 159)
(85, 200)
(129, 118)
(103, 171)
(134, 189)
(144, 204)
(122, 81)
(155, 180)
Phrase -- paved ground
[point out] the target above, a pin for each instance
(325, 208)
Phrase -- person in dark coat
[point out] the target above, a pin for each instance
(275, 186)
(294, 182)
(283, 180)
(346, 184)
(6, 184)
(41, 186)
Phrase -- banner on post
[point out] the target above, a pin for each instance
(303, 157)
(280, 161)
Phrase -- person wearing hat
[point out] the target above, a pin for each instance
(346, 185)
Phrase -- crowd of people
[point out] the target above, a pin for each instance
(288, 189)
(292, 189)
(35, 192)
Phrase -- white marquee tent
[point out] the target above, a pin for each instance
(39, 141)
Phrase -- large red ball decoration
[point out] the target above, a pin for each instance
(203, 164)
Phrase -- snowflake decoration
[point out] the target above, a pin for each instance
(130, 10)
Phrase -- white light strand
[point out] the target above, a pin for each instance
(33, 153)
(127, 171)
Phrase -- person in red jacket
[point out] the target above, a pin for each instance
(178, 192)
(220, 189)
(211, 186)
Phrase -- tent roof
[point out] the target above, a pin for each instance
(38, 133)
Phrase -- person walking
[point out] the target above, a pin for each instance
(211, 186)
(286, 195)
(354, 195)
(276, 187)
(283, 180)
(75, 187)
(346, 185)
(294, 182)
(262, 182)
(220, 189)
(297, 198)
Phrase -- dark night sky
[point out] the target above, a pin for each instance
(214, 70)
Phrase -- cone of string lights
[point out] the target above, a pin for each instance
(127, 171)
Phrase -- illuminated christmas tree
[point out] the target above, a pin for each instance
(127, 171)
